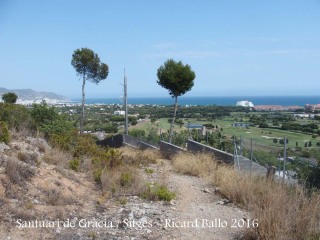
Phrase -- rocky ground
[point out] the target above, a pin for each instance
(46, 201)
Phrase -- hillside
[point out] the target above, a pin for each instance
(29, 95)
(37, 188)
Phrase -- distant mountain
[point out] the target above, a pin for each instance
(29, 95)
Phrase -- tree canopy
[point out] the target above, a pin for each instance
(87, 65)
(176, 77)
(9, 97)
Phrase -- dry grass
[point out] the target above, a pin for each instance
(283, 212)
(22, 132)
(123, 180)
(58, 157)
(30, 158)
(18, 172)
(137, 157)
(194, 164)
(55, 197)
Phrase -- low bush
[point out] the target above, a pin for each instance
(55, 197)
(157, 192)
(4, 133)
(58, 157)
(74, 164)
(121, 180)
(30, 158)
(18, 172)
(149, 170)
(17, 117)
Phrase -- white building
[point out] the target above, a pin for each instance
(121, 113)
(245, 104)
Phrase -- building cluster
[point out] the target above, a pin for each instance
(312, 107)
(276, 108)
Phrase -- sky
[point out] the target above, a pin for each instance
(235, 47)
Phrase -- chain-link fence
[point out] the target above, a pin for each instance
(294, 165)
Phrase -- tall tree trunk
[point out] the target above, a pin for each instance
(83, 101)
(173, 119)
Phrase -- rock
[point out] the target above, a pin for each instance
(148, 231)
(14, 200)
(223, 202)
(36, 201)
(156, 212)
(139, 213)
(130, 215)
(206, 190)
(3, 147)
(172, 202)
(147, 206)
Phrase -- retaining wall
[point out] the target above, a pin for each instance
(168, 149)
(113, 142)
(136, 142)
(225, 157)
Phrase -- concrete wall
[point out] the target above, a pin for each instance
(225, 157)
(114, 141)
(136, 142)
(133, 141)
(168, 150)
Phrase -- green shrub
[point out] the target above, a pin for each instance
(137, 133)
(149, 170)
(125, 179)
(97, 174)
(163, 193)
(4, 133)
(16, 116)
(157, 192)
(65, 141)
(74, 164)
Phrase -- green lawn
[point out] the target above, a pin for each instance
(265, 135)
(262, 136)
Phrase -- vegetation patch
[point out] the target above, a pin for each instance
(149, 170)
(4, 133)
(201, 165)
(157, 192)
(121, 181)
(18, 172)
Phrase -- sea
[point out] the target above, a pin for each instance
(220, 101)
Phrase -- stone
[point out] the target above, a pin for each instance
(223, 202)
(4, 147)
(206, 190)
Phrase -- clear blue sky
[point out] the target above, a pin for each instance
(235, 47)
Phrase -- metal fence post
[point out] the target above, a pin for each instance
(284, 157)
(251, 156)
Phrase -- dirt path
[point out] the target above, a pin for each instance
(200, 213)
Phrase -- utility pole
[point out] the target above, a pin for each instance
(125, 101)
(284, 157)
